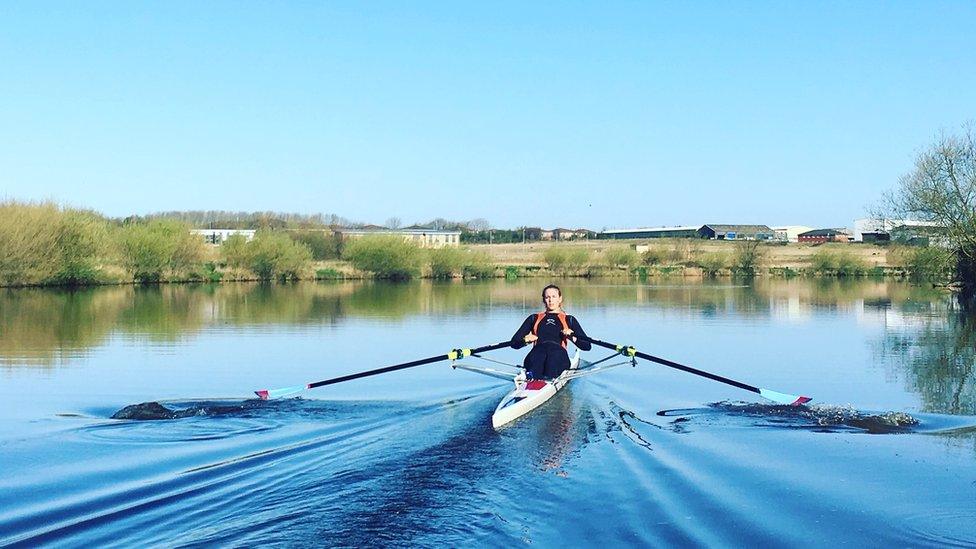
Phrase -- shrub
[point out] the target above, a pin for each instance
(234, 252)
(849, 264)
(747, 257)
(82, 239)
(577, 259)
(447, 262)
(385, 256)
(273, 254)
(479, 265)
(654, 256)
(620, 256)
(323, 245)
(713, 262)
(923, 263)
(43, 243)
(838, 263)
(328, 274)
(556, 258)
(157, 248)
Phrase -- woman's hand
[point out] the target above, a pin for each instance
(530, 338)
(567, 332)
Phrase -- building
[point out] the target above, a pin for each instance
(217, 236)
(736, 232)
(422, 236)
(917, 234)
(825, 235)
(789, 233)
(557, 234)
(655, 232)
(880, 230)
(570, 234)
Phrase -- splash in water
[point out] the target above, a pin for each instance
(820, 418)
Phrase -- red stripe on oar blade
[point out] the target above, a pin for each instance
(784, 398)
(262, 394)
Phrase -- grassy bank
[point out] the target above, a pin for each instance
(45, 244)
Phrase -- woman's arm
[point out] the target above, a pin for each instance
(518, 340)
(574, 325)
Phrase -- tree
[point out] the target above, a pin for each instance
(478, 224)
(393, 223)
(942, 189)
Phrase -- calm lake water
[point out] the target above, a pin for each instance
(645, 456)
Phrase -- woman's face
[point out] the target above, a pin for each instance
(552, 299)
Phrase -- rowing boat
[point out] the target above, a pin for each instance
(529, 394)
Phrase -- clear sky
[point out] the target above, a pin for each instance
(601, 114)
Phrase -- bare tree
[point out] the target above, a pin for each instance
(479, 224)
(393, 223)
(439, 224)
(942, 189)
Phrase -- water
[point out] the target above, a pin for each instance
(885, 455)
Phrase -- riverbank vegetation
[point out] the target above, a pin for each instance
(941, 189)
(47, 244)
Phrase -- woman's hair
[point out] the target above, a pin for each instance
(552, 286)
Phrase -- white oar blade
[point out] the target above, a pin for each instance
(266, 394)
(783, 398)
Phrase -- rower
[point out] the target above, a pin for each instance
(549, 332)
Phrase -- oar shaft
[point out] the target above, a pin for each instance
(672, 364)
(403, 366)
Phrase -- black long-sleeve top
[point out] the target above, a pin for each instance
(550, 329)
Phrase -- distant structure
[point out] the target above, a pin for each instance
(657, 232)
(882, 230)
(560, 234)
(711, 231)
(217, 236)
(825, 235)
(790, 233)
(736, 232)
(422, 236)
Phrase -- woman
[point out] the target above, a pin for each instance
(549, 331)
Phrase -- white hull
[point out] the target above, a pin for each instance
(528, 396)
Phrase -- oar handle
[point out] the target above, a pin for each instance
(630, 351)
(455, 354)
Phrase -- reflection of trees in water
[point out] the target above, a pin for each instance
(42, 325)
(936, 351)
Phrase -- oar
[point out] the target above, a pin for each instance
(780, 398)
(453, 355)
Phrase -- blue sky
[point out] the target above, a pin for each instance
(555, 114)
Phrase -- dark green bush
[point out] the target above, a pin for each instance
(328, 274)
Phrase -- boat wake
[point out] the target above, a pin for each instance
(149, 411)
(817, 418)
